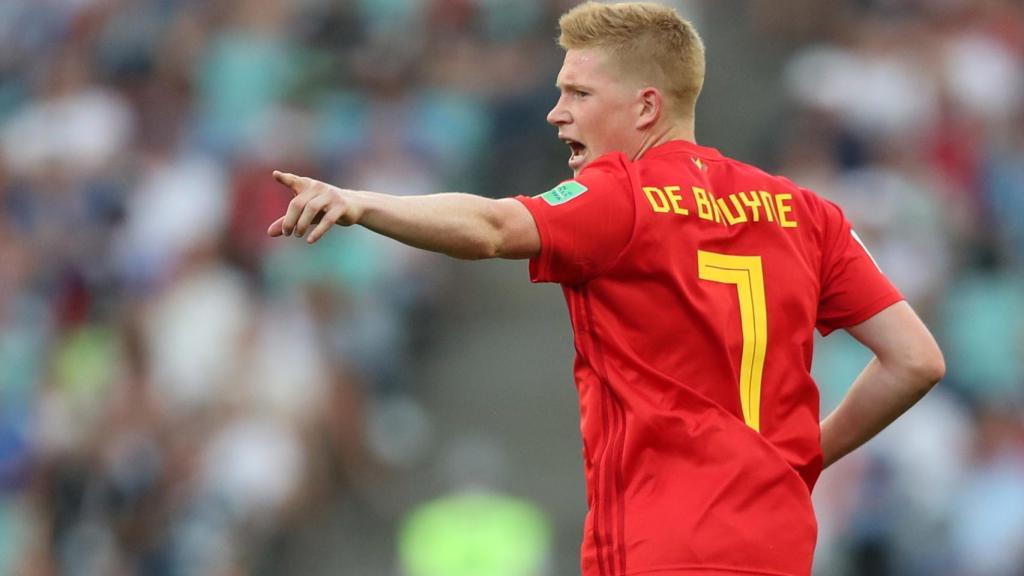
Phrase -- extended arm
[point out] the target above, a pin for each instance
(907, 364)
(459, 225)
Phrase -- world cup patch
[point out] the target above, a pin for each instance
(563, 192)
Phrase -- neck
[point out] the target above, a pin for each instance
(659, 134)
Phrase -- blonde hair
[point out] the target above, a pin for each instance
(649, 42)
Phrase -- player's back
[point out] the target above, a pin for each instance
(727, 261)
(694, 296)
(712, 358)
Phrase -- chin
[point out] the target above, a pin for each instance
(578, 167)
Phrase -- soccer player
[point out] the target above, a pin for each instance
(694, 283)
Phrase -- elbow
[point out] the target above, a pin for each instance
(485, 238)
(492, 247)
(936, 370)
(485, 253)
(492, 244)
(506, 230)
(476, 249)
(927, 368)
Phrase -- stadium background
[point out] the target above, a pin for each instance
(179, 395)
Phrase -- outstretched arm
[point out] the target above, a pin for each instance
(907, 364)
(459, 225)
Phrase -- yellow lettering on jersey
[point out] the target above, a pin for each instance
(704, 210)
(739, 217)
(661, 204)
(718, 209)
(752, 203)
(715, 208)
(674, 199)
(736, 208)
(767, 202)
(783, 208)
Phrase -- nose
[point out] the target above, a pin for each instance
(558, 115)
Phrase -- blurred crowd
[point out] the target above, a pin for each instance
(177, 390)
(179, 394)
(911, 116)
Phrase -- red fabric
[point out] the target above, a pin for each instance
(677, 481)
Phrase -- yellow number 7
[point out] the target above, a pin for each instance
(746, 273)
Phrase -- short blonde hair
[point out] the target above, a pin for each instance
(647, 41)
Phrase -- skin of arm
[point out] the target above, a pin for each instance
(459, 225)
(907, 364)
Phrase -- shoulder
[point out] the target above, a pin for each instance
(612, 164)
(778, 183)
(610, 172)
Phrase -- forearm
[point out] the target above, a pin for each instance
(459, 225)
(877, 397)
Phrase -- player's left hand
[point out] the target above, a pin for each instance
(315, 204)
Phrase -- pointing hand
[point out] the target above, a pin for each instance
(315, 204)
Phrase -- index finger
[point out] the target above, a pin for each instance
(290, 180)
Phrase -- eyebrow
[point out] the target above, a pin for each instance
(571, 86)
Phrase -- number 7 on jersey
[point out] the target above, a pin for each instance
(746, 274)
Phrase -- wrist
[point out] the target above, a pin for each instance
(357, 204)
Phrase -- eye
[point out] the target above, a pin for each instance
(580, 94)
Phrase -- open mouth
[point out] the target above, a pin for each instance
(578, 151)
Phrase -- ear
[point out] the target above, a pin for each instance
(650, 103)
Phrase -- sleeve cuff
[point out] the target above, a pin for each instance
(540, 268)
(876, 306)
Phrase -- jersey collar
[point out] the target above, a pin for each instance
(683, 147)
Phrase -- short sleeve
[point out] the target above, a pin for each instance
(584, 223)
(853, 288)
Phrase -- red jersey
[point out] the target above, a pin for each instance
(694, 284)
